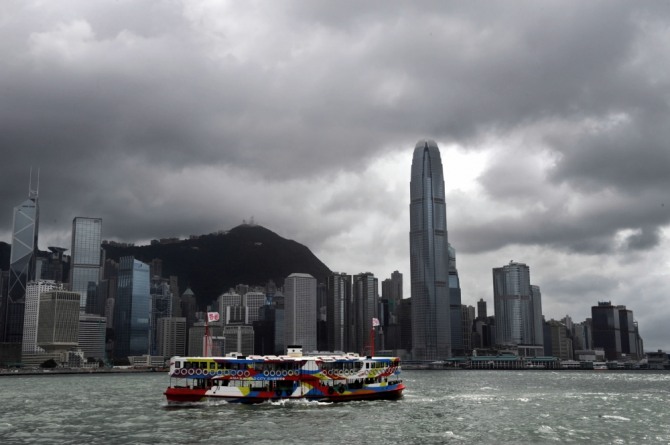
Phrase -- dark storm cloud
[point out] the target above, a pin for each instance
(170, 118)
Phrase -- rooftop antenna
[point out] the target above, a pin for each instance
(32, 194)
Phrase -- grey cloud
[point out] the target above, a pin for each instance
(116, 100)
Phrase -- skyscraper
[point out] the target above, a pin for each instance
(457, 340)
(171, 336)
(86, 257)
(161, 307)
(58, 320)
(22, 262)
(365, 308)
(517, 306)
(392, 293)
(132, 309)
(31, 314)
(429, 255)
(338, 308)
(615, 331)
(300, 311)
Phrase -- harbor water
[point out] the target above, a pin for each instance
(438, 407)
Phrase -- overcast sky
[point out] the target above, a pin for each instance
(171, 118)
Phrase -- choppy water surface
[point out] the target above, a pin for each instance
(438, 407)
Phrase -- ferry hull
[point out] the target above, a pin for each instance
(186, 395)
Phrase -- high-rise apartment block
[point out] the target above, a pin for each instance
(300, 311)
(429, 256)
(86, 257)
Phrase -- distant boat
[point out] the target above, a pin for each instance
(254, 379)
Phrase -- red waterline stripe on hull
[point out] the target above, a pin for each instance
(184, 394)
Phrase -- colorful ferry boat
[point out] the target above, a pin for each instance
(254, 378)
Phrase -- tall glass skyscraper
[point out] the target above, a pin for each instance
(429, 255)
(132, 309)
(85, 266)
(518, 306)
(21, 268)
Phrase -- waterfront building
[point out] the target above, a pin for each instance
(467, 320)
(582, 335)
(338, 308)
(279, 324)
(58, 321)
(392, 293)
(238, 338)
(429, 256)
(560, 341)
(365, 308)
(536, 306)
(253, 300)
(22, 261)
(188, 306)
(264, 330)
(456, 324)
(321, 317)
(161, 306)
(86, 257)
(110, 280)
(31, 315)
(405, 322)
(196, 336)
(658, 360)
(300, 311)
(517, 308)
(171, 339)
(132, 309)
(91, 338)
(615, 331)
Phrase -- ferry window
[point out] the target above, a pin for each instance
(219, 365)
(203, 365)
(177, 365)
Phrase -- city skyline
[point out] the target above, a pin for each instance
(188, 118)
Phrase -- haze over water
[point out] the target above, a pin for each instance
(438, 407)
